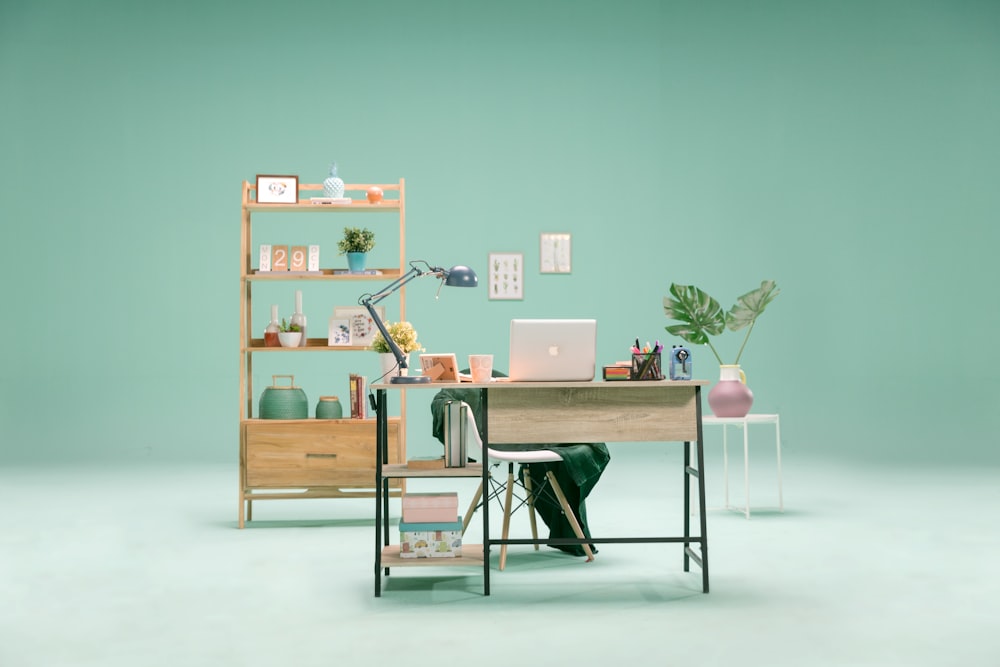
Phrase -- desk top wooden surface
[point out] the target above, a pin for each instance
(560, 412)
(503, 383)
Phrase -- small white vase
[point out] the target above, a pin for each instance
(388, 361)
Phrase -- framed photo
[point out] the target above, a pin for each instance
(506, 275)
(277, 189)
(555, 253)
(340, 332)
(439, 367)
(361, 324)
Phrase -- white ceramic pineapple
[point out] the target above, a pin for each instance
(333, 186)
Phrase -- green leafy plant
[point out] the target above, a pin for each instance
(701, 316)
(356, 240)
(286, 327)
(402, 333)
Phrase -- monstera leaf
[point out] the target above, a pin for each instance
(748, 308)
(700, 315)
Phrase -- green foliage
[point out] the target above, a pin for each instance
(356, 240)
(701, 316)
(286, 327)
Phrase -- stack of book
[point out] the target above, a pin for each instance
(359, 404)
(620, 370)
(456, 434)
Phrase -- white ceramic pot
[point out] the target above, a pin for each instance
(289, 338)
(388, 362)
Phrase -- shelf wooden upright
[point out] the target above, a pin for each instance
(310, 458)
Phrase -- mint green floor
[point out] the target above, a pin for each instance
(145, 566)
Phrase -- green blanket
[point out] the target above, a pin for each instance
(577, 473)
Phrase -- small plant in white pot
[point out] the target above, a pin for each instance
(701, 317)
(356, 244)
(289, 335)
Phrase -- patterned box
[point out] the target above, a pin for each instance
(430, 540)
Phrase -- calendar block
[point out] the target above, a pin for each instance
(279, 258)
(264, 262)
(297, 258)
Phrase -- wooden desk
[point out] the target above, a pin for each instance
(557, 412)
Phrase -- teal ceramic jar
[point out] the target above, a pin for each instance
(329, 407)
(283, 402)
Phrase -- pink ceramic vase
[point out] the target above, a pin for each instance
(730, 397)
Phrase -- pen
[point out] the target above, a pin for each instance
(645, 365)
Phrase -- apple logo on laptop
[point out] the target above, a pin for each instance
(553, 350)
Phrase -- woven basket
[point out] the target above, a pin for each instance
(329, 407)
(283, 402)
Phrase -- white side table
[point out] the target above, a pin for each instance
(744, 423)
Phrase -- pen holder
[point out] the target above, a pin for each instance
(646, 367)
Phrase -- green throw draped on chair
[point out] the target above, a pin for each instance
(577, 473)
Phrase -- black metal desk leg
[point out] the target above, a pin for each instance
(687, 505)
(381, 450)
(485, 403)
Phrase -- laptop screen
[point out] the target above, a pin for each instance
(553, 350)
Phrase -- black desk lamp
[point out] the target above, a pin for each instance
(456, 276)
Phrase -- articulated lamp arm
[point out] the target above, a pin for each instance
(457, 276)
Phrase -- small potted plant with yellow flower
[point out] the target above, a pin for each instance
(404, 336)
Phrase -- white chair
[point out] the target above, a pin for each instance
(520, 457)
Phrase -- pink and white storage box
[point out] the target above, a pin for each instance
(430, 507)
(430, 540)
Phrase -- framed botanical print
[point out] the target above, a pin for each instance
(555, 253)
(506, 275)
(340, 332)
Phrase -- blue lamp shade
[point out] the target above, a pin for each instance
(461, 276)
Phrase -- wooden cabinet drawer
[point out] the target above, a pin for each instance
(313, 453)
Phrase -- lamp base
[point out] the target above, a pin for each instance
(409, 379)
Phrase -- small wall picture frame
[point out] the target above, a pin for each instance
(506, 275)
(362, 325)
(272, 189)
(556, 252)
(340, 332)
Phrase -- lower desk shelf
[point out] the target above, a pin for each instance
(396, 470)
(472, 556)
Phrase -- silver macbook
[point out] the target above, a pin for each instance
(553, 350)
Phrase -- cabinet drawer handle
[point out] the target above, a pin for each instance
(310, 455)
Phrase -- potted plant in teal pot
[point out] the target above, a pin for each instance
(356, 244)
(700, 317)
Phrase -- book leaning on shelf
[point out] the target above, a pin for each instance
(456, 434)
(358, 387)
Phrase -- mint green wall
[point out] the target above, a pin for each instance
(849, 150)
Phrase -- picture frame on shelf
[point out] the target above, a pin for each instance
(556, 252)
(506, 275)
(277, 189)
(362, 326)
(340, 332)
